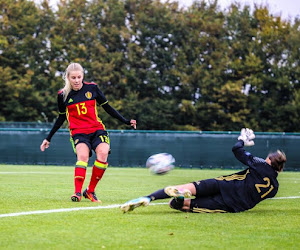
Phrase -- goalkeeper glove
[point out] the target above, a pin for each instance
(247, 135)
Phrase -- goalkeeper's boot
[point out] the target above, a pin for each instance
(91, 196)
(176, 192)
(132, 204)
(76, 197)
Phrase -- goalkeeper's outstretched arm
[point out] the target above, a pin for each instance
(241, 154)
(245, 139)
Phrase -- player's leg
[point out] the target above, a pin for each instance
(207, 204)
(183, 191)
(101, 146)
(204, 188)
(179, 192)
(144, 201)
(82, 151)
(198, 188)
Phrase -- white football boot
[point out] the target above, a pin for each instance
(132, 204)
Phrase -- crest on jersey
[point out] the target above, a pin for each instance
(88, 95)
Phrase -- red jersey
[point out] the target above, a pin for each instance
(81, 109)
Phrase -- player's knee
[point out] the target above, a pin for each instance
(102, 157)
(102, 153)
(82, 152)
(82, 157)
(176, 203)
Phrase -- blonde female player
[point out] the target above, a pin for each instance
(77, 102)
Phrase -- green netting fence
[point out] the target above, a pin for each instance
(19, 144)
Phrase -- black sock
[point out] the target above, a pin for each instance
(158, 195)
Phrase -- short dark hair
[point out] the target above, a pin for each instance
(278, 160)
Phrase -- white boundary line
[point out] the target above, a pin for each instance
(66, 210)
(99, 207)
(283, 198)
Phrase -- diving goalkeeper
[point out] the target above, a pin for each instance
(231, 193)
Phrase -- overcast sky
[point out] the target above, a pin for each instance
(285, 8)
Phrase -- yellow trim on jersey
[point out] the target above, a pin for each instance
(67, 115)
(103, 103)
(61, 113)
(100, 165)
(232, 177)
(98, 119)
(72, 142)
(206, 210)
(81, 164)
(71, 139)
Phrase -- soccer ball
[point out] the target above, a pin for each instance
(160, 163)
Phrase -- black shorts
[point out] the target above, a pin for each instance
(208, 198)
(91, 140)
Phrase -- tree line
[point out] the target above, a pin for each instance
(171, 68)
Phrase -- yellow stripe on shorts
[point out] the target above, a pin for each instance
(205, 210)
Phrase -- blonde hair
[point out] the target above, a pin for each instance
(72, 67)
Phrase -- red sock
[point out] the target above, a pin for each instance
(98, 171)
(79, 176)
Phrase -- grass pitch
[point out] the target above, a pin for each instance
(24, 190)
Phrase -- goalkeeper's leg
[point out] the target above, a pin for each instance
(207, 204)
(180, 191)
(185, 190)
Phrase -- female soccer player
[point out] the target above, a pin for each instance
(77, 102)
(232, 193)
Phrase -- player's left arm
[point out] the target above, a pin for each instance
(101, 99)
(114, 113)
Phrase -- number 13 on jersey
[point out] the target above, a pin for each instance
(81, 108)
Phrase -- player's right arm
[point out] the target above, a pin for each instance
(245, 139)
(241, 154)
(58, 123)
